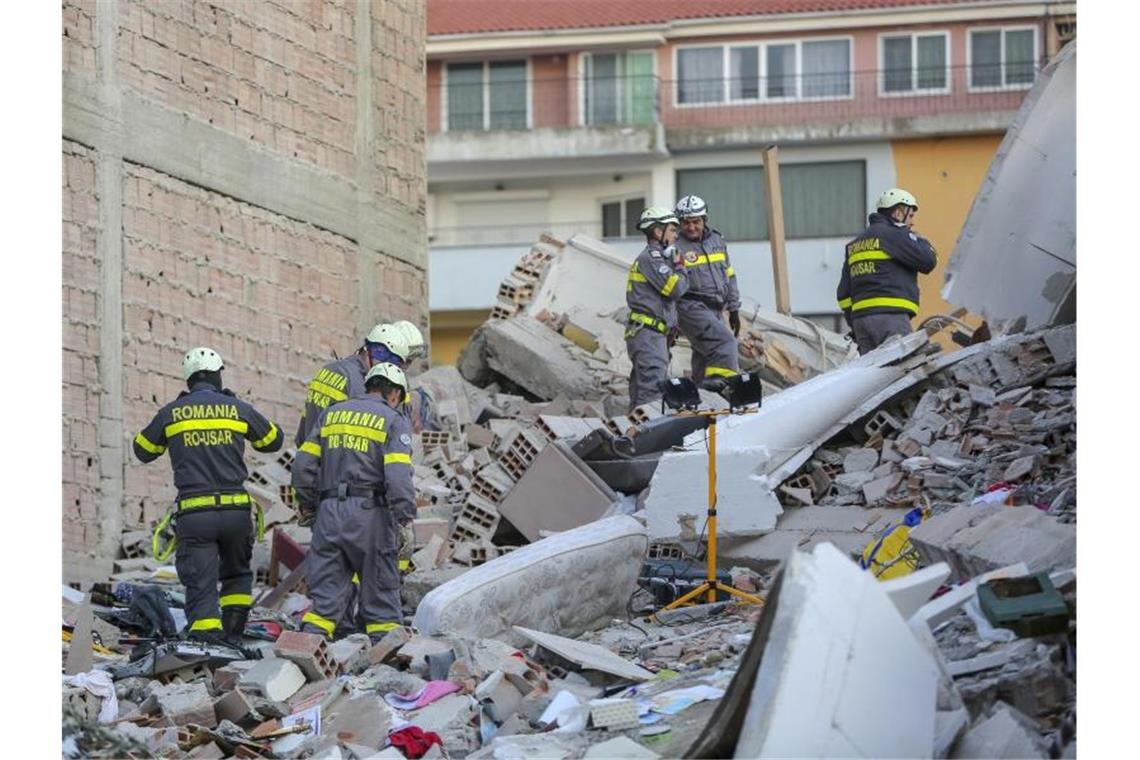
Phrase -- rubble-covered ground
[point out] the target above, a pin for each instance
(512, 547)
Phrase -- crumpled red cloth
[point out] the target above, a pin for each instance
(413, 741)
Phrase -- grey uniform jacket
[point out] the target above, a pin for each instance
(361, 443)
(712, 278)
(653, 288)
(337, 381)
(880, 275)
(205, 430)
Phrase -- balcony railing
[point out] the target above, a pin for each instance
(729, 102)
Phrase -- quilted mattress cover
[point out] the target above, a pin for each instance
(566, 584)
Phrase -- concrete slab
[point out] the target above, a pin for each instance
(589, 656)
(818, 690)
(1005, 734)
(186, 703)
(757, 452)
(931, 536)
(557, 492)
(1015, 534)
(619, 747)
(910, 592)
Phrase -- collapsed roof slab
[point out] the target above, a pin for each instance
(1017, 254)
(753, 446)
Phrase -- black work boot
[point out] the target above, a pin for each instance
(233, 623)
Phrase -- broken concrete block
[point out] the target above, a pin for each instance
(852, 482)
(429, 556)
(426, 527)
(364, 720)
(351, 653)
(233, 706)
(1019, 468)
(833, 633)
(497, 691)
(619, 747)
(309, 651)
(450, 717)
(931, 536)
(558, 492)
(274, 678)
(910, 592)
(1014, 534)
(879, 489)
(226, 677)
(861, 460)
(1005, 734)
(184, 704)
(568, 583)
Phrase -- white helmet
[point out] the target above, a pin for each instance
(200, 359)
(692, 206)
(390, 372)
(392, 337)
(412, 337)
(895, 196)
(655, 215)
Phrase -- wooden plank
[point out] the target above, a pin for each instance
(776, 229)
(292, 580)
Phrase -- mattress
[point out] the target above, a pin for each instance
(567, 584)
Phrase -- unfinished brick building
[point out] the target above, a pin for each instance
(248, 176)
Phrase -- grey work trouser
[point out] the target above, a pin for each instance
(871, 330)
(714, 345)
(352, 535)
(649, 353)
(213, 545)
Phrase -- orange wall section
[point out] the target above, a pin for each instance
(944, 174)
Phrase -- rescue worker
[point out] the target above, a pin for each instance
(878, 286)
(205, 429)
(657, 278)
(712, 291)
(355, 469)
(420, 407)
(343, 379)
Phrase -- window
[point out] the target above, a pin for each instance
(785, 70)
(700, 75)
(487, 95)
(619, 88)
(820, 200)
(1003, 57)
(620, 217)
(915, 63)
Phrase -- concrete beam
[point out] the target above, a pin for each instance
(681, 139)
(365, 169)
(109, 177)
(150, 134)
(546, 142)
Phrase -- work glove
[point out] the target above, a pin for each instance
(734, 322)
(306, 515)
(407, 544)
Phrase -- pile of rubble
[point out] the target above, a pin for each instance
(550, 521)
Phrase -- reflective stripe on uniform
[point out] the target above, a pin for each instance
(397, 458)
(670, 284)
(720, 372)
(236, 600)
(364, 432)
(323, 623)
(380, 627)
(712, 258)
(213, 500)
(649, 321)
(239, 426)
(309, 447)
(403, 564)
(356, 578)
(146, 445)
(206, 624)
(637, 277)
(730, 271)
(269, 438)
(894, 303)
(868, 256)
(845, 304)
(328, 390)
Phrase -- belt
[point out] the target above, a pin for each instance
(344, 490)
(213, 500)
(711, 301)
(649, 321)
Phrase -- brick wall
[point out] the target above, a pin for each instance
(274, 294)
(282, 74)
(81, 277)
